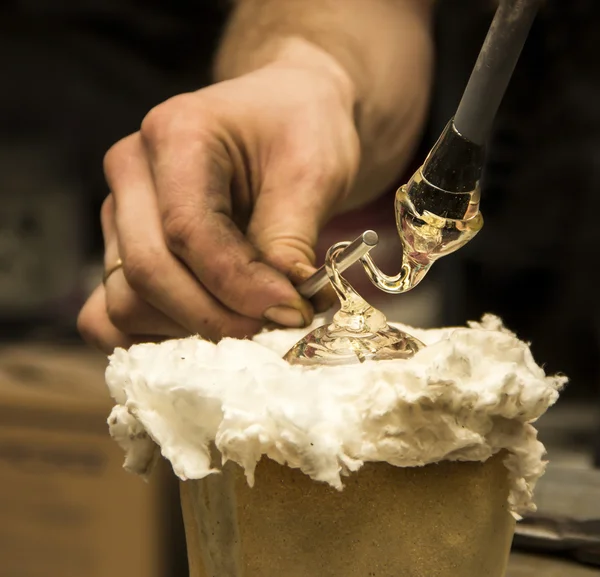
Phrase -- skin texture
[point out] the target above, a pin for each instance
(216, 204)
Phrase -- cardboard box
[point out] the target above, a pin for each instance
(67, 507)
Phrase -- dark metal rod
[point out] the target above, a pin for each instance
(494, 68)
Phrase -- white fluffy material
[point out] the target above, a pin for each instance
(469, 394)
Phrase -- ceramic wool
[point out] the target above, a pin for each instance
(470, 393)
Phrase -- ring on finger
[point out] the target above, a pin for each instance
(110, 270)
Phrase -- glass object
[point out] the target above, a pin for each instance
(437, 212)
(425, 236)
(358, 333)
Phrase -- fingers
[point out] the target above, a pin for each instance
(132, 315)
(96, 328)
(98, 331)
(149, 268)
(285, 227)
(131, 320)
(126, 311)
(192, 178)
(324, 299)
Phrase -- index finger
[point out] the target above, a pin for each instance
(193, 189)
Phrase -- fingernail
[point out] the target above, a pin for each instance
(305, 268)
(300, 272)
(285, 316)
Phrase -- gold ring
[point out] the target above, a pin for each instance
(115, 267)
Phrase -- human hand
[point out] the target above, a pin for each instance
(216, 205)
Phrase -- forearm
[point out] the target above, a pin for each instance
(383, 46)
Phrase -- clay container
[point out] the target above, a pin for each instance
(443, 520)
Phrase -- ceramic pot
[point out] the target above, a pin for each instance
(443, 520)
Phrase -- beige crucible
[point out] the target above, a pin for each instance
(450, 519)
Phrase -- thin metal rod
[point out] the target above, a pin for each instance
(494, 68)
(351, 254)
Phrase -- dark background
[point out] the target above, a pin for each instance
(77, 76)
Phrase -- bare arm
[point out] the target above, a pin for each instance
(382, 47)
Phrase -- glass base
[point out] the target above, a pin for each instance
(332, 345)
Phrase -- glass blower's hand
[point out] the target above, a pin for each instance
(216, 203)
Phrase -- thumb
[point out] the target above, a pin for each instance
(284, 236)
(284, 228)
(293, 203)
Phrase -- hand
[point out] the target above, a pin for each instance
(216, 205)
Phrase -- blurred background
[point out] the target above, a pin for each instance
(78, 77)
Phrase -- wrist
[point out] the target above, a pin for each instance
(296, 52)
(291, 52)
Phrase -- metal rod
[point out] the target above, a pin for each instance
(351, 254)
(494, 68)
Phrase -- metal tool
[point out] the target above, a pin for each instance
(437, 211)
(357, 249)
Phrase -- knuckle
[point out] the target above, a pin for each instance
(91, 322)
(107, 208)
(116, 158)
(86, 325)
(179, 225)
(110, 161)
(122, 311)
(108, 205)
(171, 116)
(139, 269)
(154, 124)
